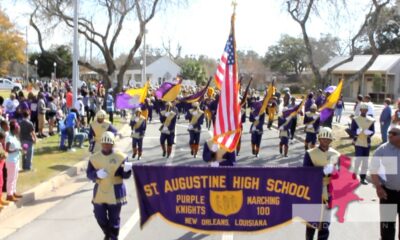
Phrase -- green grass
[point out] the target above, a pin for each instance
(48, 160)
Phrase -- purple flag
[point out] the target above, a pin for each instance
(325, 114)
(163, 89)
(126, 101)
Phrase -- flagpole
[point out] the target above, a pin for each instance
(75, 67)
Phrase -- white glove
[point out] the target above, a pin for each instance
(315, 117)
(310, 126)
(194, 113)
(214, 147)
(166, 114)
(359, 130)
(101, 173)
(164, 129)
(190, 127)
(328, 169)
(127, 166)
(136, 119)
(256, 118)
(214, 164)
(367, 132)
(281, 128)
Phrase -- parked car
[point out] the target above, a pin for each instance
(8, 84)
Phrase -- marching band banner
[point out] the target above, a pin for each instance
(207, 199)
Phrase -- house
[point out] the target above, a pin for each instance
(381, 80)
(158, 70)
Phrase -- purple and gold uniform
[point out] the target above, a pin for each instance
(311, 122)
(168, 120)
(97, 128)
(212, 153)
(256, 129)
(284, 126)
(138, 126)
(109, 193)
(363, 128)
(196, 118)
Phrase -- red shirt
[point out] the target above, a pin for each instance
(69, 99)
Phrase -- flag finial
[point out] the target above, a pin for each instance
(234, 4)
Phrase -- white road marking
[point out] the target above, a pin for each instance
(124, 231)
(227, 236)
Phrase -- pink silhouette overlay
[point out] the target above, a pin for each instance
(342, 186)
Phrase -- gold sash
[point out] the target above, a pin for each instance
(105, 190)
(99, 129)
(195, 118)
(321, 159)
(168, 119)
(311, 115)
(364, 123)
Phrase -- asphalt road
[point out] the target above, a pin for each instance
(70, 217)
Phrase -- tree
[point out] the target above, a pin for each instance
(288, 55)
(300, 11)
(12, 45)
(193, 70)
(251, 66)
(116, 13)
(61, 55)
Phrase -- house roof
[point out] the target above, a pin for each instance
(149, 60)
(384, 63)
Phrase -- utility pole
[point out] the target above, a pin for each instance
(75, 67)
(26, 52)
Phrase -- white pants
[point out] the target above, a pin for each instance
(12, 176)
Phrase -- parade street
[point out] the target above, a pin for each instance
(67, 211)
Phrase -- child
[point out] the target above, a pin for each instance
(284, 126)
(13, 147)
(2, 162)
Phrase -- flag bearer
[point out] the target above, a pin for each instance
(311, 122)
(284, 126)
(168, 121)
(196, 117)
(256, 128)
(138, 126)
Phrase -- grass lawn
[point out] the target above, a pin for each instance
(48, 160)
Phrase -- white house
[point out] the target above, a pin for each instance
(381, 80)
(157, 70)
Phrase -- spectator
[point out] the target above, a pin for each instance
(41, 115)
(385, 119)
(69, 98)
(396, 116)
(70, 122)
(32, 102)
(81, 135)
(357, 111)
(371, 109)
(51, 115)
(110, 105)
(387, 182)
(2, 163)
(80, 107)
(11, 105)
(92, 106)
(339, 109)
(13, 147)
(28, 138)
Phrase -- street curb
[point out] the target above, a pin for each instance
(44, 188)
(30, 196)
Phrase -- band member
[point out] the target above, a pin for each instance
(326, 157)
(272, 110)
(168, 121)
(97, 128)
(107, 168)
(138, 127)
(217, 156)
(311, 121)
(363, 128)
(196, 117)
(242, 120)
(284, 126)
(257, 122)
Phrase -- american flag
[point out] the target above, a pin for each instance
(227, 123)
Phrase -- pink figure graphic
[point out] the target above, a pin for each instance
(342, 186)
(25, 146)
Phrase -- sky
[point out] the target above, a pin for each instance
(202, 26)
